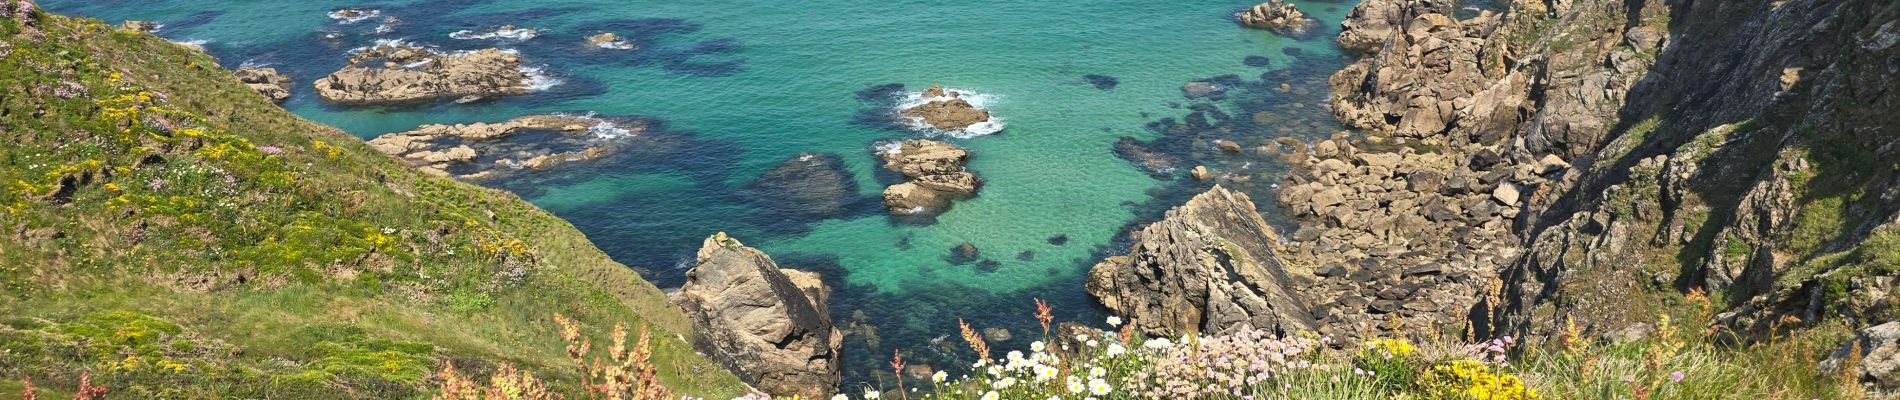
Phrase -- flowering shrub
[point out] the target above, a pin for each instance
(1473, 380)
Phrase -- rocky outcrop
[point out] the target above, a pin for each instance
(934, 175)
(401, 73)
(140, 26)
(265, 81)
(1209, 266)
(1877, 352)
(768, 325)
(482, 150)
(1277, 16)
(946, 110)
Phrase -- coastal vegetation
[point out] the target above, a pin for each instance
(172, 233)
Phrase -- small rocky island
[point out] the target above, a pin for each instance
(935, 175)
(770, 326)
(610, 40)
(1277, 16)
(945, 110)
(481, 150)
(265, 81)
(394, 73)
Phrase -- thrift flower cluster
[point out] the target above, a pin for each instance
(1231, 364)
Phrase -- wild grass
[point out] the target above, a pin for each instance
(140, 179)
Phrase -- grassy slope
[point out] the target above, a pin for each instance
(171, 231)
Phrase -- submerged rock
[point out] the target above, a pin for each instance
(1202, 89)
(265, 81)
(812, 185)
(936, 176)
(769, 326)
(946, 110)
(453, 150)
(409, 73)
(1277, 16)
(1103, 82)
(1208, 267)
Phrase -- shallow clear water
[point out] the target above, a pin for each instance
(738, 89)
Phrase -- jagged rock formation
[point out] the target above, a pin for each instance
(1586, 155)
(454, 150)
(1209, 266)
(265, 81)
(768, 325)
(1277, 16)
(401, 73)
(935, 175)
(946, 110)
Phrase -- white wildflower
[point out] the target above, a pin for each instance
(991, 395)
(1036, 346)
(1114, 321)
(939, 377)
(1098, 387)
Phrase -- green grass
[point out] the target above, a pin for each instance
(143, 185)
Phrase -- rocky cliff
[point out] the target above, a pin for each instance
(769, 325)
(1591, 159)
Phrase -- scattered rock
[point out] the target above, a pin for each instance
(1202, 173)
(1505, 194)
(1256, 61)
(1227, 146)
(997, 335)
(770, 326)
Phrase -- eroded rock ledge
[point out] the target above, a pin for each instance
(403, 73)
(479, 151)
(770, 326)
(1208, 267)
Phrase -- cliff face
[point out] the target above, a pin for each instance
(769, 325)
(1209, 266)
(1640, 150)
(174, 232)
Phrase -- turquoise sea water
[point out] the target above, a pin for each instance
(739, 88)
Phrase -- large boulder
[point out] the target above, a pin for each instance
(770, 326)
(1207, 267)
(410, 74)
